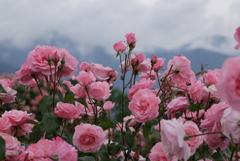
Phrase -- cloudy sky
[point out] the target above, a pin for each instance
(165, 24)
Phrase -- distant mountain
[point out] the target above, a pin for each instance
(206, 52)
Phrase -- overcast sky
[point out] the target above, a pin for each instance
(166, 24)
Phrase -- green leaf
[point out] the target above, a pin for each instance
(113, 148)
(45, 103)
(2, 148)
(218, 156)
(50, 122)
(109, 124)
(86, 158)
(103, 153)
(2, 89)
(129, 138)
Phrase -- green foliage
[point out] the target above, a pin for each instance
(86, 158)
(50, 122)
(2, 148)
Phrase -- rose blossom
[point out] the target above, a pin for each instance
(85, 78)
(69, 111)
(213, 115)
(99, 90)
(88, 138)
(191, 129)
(172, 136)
(144, 105)
(45, 59)
(196, 91)
(13, 146)
(119, 46)
(131, 40)
(143, 83)
(180, 70)
(108, 105)
(176, 105)
(230, 124)
(158, 154)
(79, 91)
(228, 85)
(16, 117)
(84, 66)
(237, 37)
(159, 64)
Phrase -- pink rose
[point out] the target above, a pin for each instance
(119, 46)
(79, 91)
(138, 59)
(158, 154)
(191, 129)
(143, 83)
(172, 136)
(85, 78)
(101, 73)
(88, 138)
(176, 105)
(217, 139)
(131, 38)
(213, 115)
(99, 90)
(228, 84)
(237, 37)
(69, 111)
(17, 118)
(70, 63)
(49, 60)
(13, 146)
(84, 66)
(180, 70)
(196, 91)
(211, 77)
(144, 105)
(145, 66)
(64, 151)
(108, 105)
(230, 124)
(159, 64)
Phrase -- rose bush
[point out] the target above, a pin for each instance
(161, 113)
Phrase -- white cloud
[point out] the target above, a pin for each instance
(157, 23)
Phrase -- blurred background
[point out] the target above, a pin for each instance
(202, 30)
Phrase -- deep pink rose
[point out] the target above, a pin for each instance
(85, 78)
(230, 124)
(172, 136)
(237, 37)
(108, 105)
(196, 91)
(228, 85)
(88, 138)
(176, 105)
(144, 105)
(158, 154)
(69, 111)
(131, 38)
(13, 146)
(191, 129)
(17, 118)
(119, 46)
(99, 90)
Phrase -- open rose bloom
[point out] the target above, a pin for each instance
(159, 112)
